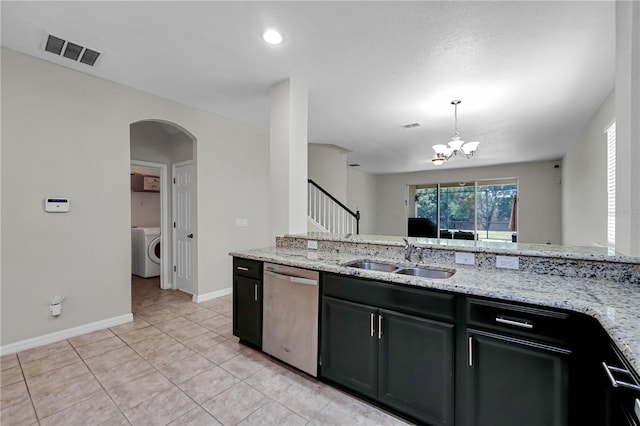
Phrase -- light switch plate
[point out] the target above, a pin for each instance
(312, 245)
(508, 262)
(466, 258)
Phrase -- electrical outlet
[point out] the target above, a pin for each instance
(312, 245)
(466, 258)
(508, 262)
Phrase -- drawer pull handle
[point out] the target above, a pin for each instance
(523, 324)
(617, 383)
(470, 351)
(373, 330)
(255, 292)
(241, 268)
(379, 326)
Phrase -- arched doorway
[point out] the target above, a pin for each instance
(158, 150)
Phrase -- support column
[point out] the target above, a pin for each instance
(628, 127)
(288, 158)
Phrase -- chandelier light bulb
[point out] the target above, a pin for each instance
(456, 145)
(272, 37)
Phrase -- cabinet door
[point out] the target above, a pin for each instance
(416, 367)
(516, 382)
(349, 345)
(247, 309)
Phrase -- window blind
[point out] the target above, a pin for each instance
(611, 185)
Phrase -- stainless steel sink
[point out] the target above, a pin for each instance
(425, 273)
(373, 265)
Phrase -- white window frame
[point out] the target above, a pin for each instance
(611, 185)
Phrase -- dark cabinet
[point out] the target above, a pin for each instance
(516, 382)
(247, 301)
(621, 389)
(415, 374)
(349, 345)
(517, 365)
(400, 360)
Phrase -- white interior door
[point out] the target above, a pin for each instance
(183, 226)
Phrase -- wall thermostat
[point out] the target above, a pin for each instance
(56, 204)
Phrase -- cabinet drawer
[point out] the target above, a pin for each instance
(414, 301)
(519, 320)
(247, 268)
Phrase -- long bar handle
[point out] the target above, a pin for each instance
(523, 323)
(255, 292)
(373, 330)
(242, 268)
(616, 383)
(470, 351)
(379, 326)
(292, 278)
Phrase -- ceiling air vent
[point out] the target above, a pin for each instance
(411, 125)
(71, 50)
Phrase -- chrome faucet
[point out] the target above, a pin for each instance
(408, 250)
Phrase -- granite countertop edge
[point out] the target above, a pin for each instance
(594, 254)
(614, 305)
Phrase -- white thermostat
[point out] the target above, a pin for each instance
(56, 204)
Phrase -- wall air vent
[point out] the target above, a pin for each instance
(73, 51)
(411, 125)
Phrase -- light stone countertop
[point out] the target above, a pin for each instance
(590, 253)
(615, 305)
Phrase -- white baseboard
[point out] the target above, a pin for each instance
(213, 295)
(64, 334)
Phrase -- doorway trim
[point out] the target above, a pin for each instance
(165, 283)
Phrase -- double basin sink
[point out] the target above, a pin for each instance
(416, 271)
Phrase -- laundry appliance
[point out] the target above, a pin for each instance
(145, 251)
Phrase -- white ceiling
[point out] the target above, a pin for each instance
(530, 74)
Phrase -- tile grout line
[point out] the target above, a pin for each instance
(98, 380)
(26, 385)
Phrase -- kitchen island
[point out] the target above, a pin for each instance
(592, 284)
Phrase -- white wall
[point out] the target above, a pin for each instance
(73, 138)
(328, 168)
(145, 206)
(584, 182)
(361, 195)
(539, 208)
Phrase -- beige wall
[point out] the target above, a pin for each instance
(73, 138)
(539, 208)
(361, 195)
(584, 182)
(328, 168)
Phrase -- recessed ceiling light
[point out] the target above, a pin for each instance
(272, 37)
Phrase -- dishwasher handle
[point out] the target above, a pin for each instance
(293, 278)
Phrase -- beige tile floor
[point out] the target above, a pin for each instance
(177, 363)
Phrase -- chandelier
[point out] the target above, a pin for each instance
(456, 145)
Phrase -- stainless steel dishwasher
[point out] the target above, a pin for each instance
(290, 316)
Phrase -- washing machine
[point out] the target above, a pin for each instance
(145, 251)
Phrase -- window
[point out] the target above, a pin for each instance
(482, 210)
(611, 186)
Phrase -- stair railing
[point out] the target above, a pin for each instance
(329, 213)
